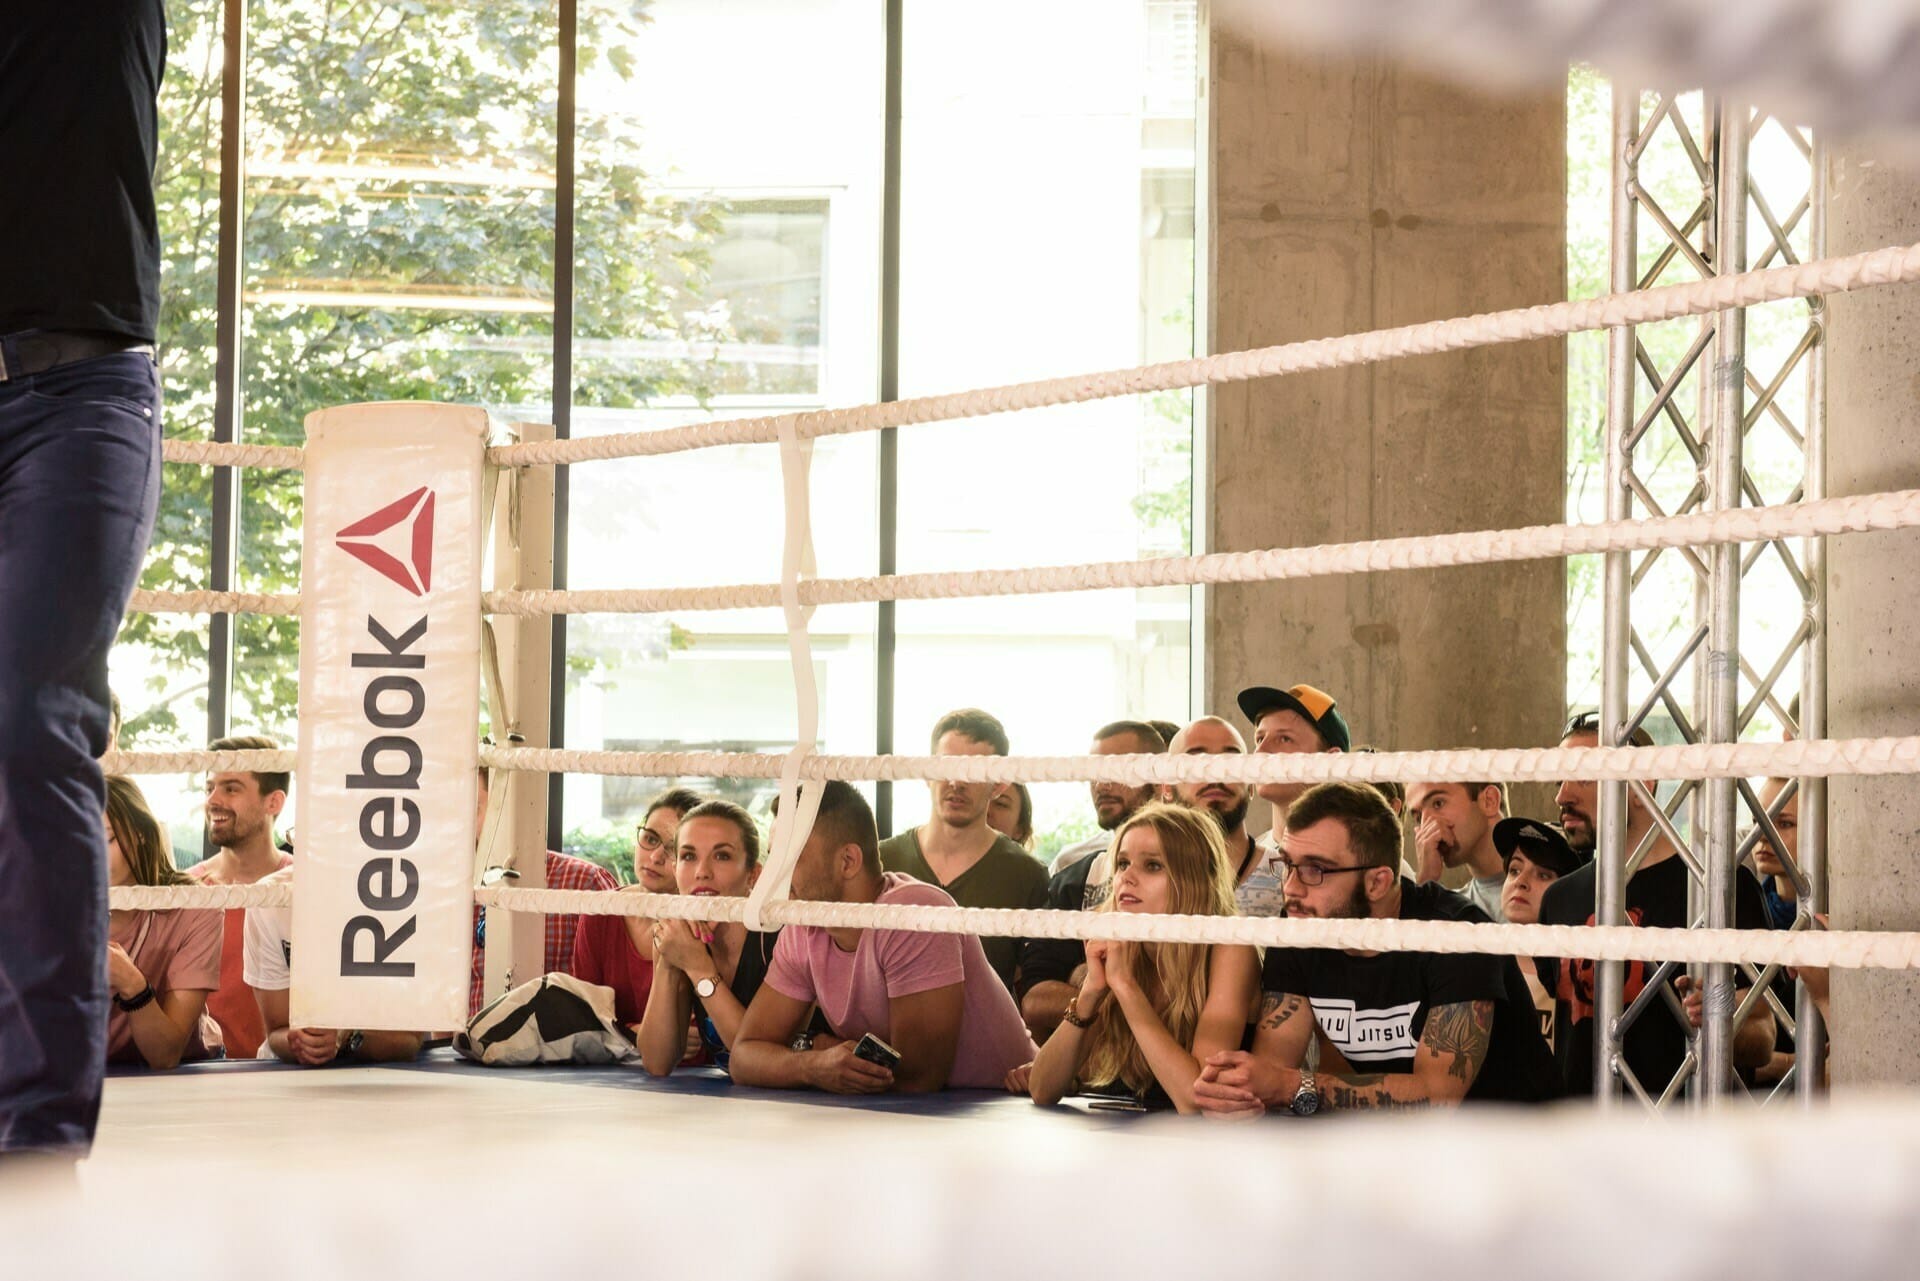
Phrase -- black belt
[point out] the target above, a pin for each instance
(35, 351)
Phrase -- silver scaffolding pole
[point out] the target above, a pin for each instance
(1610, 906)
(1725, 434)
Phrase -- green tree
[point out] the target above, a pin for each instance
(394, 146)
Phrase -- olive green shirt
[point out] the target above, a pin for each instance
(1005, 876)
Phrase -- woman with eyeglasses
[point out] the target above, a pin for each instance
(1148, 1014)
(161, 965)
(617, 951)
(706, 972)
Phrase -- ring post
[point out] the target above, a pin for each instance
(389, 702)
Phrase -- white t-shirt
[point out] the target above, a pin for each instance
(267, 957)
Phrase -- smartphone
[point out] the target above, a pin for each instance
(874, 1050)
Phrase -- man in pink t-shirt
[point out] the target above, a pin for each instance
(932, 997)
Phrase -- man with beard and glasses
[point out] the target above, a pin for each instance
(1398, 1029)
(1048, 966)
(1656, 1041)
(958, 851)
(241, 808)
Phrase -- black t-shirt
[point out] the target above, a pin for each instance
(756, 953)
(1374, 1008)
(1656, 1041)
(1042, 960)
(79, 236)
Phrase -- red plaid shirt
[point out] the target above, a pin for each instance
(564, 872)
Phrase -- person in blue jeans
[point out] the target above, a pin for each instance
(79, 483)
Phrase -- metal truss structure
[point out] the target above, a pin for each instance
(1709, 414)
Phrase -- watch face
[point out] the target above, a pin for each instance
(706, 988)
(1306, 1103)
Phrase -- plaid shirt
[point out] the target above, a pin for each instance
(564, 872)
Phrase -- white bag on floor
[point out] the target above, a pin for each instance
(555, 1018)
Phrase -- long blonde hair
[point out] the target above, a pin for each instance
(1173, 975)
(143, 842)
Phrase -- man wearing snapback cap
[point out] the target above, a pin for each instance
(1298, 719)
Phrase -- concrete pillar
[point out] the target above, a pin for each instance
(1873, 681)
(1349, 196)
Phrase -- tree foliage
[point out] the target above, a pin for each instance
(394, 147)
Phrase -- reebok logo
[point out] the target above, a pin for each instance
(406, 556)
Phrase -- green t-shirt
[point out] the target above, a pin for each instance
(1005, 876)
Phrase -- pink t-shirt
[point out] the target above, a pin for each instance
(181, 952)
(854, 988)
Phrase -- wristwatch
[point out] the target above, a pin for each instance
(1306, 1099)
(802, 1041)
(1072, 1014)
(351, 1046)
(705, 988)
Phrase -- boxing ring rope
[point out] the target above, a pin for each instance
(797, 593)
(1897, 509)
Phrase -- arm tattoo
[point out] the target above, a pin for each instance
(1461, 1033)
(1276, 1009)
(1361, 1092)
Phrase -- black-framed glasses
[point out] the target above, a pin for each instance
(650, 840)
(1310, 874)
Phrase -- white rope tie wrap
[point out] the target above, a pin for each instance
(213, 453)
(1839, 949)
(254, 762)
(1817, 758)
(1893, 510)
(161, 898)
(1892, 265)
(144, 602)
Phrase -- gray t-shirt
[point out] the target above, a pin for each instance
(1484, 893)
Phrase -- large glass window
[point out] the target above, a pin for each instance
(762, 206)
(396, 240)
(1047, 228)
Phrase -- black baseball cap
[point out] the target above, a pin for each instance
(1311, 705)
(1543, 843)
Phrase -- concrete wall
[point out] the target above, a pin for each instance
(1873, 443)
(1352, 196)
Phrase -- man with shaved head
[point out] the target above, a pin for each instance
(1226, 802)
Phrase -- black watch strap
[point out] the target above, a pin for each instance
(128, 1004)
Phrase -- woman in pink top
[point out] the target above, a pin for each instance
(160, 965)
(1148, 1014)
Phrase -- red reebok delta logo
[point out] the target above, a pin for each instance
(414, 514)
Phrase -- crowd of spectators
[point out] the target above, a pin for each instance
(1219, 1030)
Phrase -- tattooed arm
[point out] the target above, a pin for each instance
(1233, 1084)
(1453, 1047)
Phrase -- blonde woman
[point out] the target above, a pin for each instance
(160, 965)
(1147, 1015)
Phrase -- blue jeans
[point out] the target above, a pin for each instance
(79, 482)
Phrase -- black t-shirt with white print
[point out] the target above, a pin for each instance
(1374, 1008)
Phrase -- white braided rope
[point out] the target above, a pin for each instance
(1894, 510)
(212, 453)
(1817, 758)
(257, 762)
(1857, 949)
(160, 898)
(144, 602)
(1828, 275)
